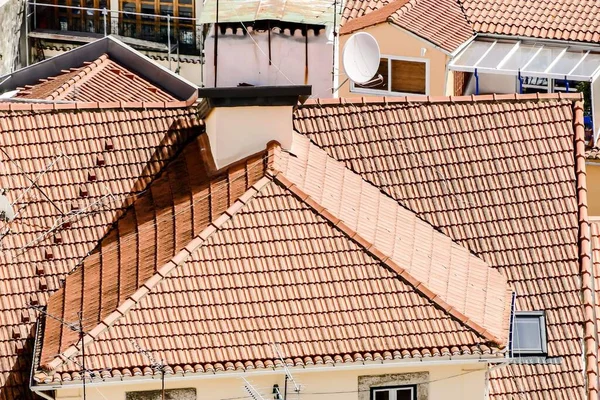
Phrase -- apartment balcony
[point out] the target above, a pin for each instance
(152, 32)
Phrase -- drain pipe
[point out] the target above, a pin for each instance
(476, 82)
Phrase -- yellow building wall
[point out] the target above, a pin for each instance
(593, 187)
(394, 41)
(458, 382)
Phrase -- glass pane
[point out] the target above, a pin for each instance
(497, 54)
(528, 335)
(588, 66)
(520, 57)
(560, 85)
(147, 8)
(381, 395)
(166, 9)
(408, 77)
(185, 12)
(404, 394)
(185, 2)
(543, 59)
(186, 36)
(473, 53)
(380, 80)
(566, 63)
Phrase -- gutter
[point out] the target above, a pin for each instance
(128, 380)
(539, 40)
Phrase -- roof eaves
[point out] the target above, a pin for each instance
(358, 101)
(280, 179)
(373, 18)
(40, 106)
(590, 344)
(161, 273)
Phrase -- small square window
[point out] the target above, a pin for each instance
(405, 392)
(529, 334)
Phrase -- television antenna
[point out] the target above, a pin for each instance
(361, 57)
(288, 373)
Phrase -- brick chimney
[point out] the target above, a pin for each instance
(242, 120)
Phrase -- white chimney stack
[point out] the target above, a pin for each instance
(242, 120)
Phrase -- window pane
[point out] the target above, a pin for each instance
(528, 334)
(497, 54)
(566, 62)
(543, 59)
(166, 9)
(147, 8)
(381, 395)
(473, 53)
(185, 12)
(408, 77)
(520, 57)
(379, 83)
(404, 394)
(588, 66)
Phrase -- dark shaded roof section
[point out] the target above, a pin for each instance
(117, 51)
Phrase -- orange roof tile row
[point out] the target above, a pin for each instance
(275, 267)
(499, 178)
(102, 80)
(88, 167)
(449, 23)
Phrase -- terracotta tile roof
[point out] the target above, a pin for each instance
(354, 9)
(96, 161)
(595, 244)
(593, 153)
(440, 22)
(449, 23)
(545, 19)
(290, 261)
(498, 176)
(102, 80)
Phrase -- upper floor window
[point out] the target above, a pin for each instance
(398, 76)
(404, 392)
(529, 334)
(153, 24)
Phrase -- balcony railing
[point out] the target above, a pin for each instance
(176, 34)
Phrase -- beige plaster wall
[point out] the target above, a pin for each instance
(394, 41)
(593, 188)
(458, 382)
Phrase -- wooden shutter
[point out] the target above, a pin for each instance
(409, 77)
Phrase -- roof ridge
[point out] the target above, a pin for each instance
(373, 18)
(442, 99)
(419, 286)
(85, 73)
(590, 345)
(162, 272)
(91, 105)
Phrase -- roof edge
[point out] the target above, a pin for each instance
(370, 248)
(373, 18)
(443, 99)
(162, 272)
(83, 106)
(590, 345)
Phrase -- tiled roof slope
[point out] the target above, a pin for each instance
(593, 153)
(277, 266)
(176, 207)
(595, 237)
(354, 9)
(102, 80)
(87, 165)
(440, 22)
(575, 20)
(498, 176)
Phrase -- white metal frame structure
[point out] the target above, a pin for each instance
(542, 59)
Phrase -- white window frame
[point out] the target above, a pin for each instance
(354, 89)
(392, 390)
(541, 317)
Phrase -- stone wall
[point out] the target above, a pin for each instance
(11, 29)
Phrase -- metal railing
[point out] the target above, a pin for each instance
(98, 22)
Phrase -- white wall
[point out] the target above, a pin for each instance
(461, 382)
(240, 60)
(238, 132)
(493, 83)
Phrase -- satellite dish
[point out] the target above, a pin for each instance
(361, 57)
(7, 213)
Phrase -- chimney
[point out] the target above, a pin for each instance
(242, 120)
